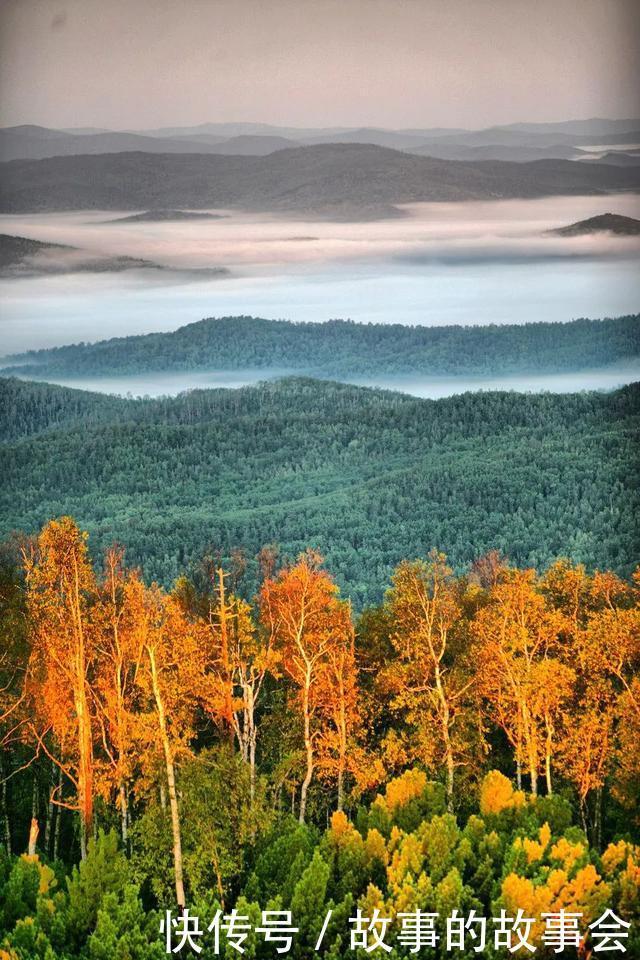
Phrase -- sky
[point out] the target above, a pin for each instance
(135, 64)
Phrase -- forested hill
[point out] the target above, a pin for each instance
(368, 477)
(341, 347)
(348, 179)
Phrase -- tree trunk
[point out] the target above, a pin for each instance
(224, 656)
(547, 758)
(342, 729)
(50, 812)
(547, 773)
(171, 784)
(56, 832)
(583, 815)
(532, 756)
(446, 736)
(308, 745)
(124, 814)
(34, 830)
(533, 773)
(251, 735)
(4, 773)
(252, 765)
(597, 819)
(85, 738)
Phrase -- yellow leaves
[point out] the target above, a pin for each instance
(412, 894)
(407, 859)
(497, 794)
(343, 833)
(372, 900)
(395, 838)
(586, 893)
(394, 750)
(617, 854)
(545, 835)
(47, 881)
(533, 849)
(403, 789)
(614, 856)
(520, 893)
(567, 853)
(629, 882)
(339, 825)
(621, 865)
(375, 847)
(369, 773)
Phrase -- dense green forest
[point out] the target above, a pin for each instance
(467, 748)
(340, 348)
(365, 476)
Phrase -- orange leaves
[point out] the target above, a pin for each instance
(430, 678)
(497, 794)
(555, 890)
(400, 791)
(301, 611)
(61, 592)
(311, 632)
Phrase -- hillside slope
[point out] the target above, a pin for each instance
(604, 223)
(341, 347)
(368, 477)
(338, 179)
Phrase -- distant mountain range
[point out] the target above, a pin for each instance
(351, 181)
(342, 348)
(517, 142)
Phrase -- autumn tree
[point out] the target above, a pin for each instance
(517, 636)
(338, 706)
(13, 662)
(599, 741)
(302, 614)
(61, 594)
(429, 677)
(119, 653)
(170, 676)
(238, 661)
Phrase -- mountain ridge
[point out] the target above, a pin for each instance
(367, 477)
(341, 180)
(343, 347)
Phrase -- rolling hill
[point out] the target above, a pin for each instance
(22, 257)
(368, 477)
(604, 223)
(341, 348)
(30, 142)
(335, 180)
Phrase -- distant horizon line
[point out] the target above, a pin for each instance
(333, 127)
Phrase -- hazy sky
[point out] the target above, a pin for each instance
(147, 63)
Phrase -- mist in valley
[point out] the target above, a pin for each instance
(446, 263)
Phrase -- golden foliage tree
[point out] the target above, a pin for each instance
(306, 621)
(517, 635)
(61, 593)
(170, 677)
(429, 678)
